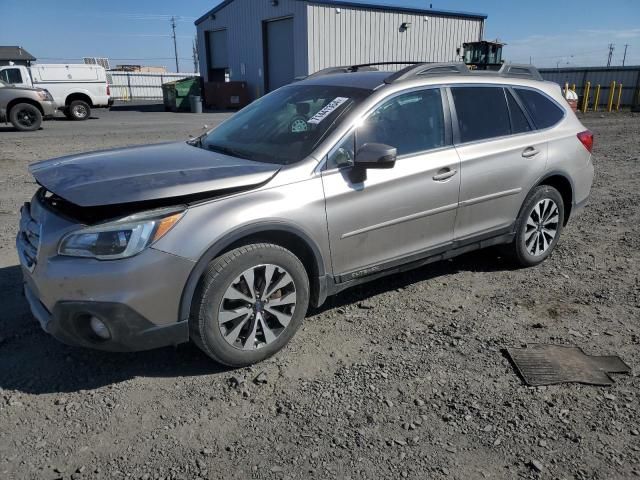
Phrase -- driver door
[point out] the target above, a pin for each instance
(398, 214)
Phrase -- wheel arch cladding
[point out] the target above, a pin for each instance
(284, 235)
(563, 184)
(78, 96)
(16, 101)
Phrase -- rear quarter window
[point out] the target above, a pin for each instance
(543, 111)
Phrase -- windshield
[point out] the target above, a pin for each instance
(2, 84)
(286, 125)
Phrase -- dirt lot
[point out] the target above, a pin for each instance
(401, 378)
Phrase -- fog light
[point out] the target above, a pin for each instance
(99, 328)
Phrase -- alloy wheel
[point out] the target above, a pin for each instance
(79, 111)
(257, 307)
(26, 118)
(541, 227)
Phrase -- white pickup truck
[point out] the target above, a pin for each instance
(76, 88)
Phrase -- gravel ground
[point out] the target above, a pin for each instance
(400, 378)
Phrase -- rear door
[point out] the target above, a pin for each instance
(398, 214)
(500, 157)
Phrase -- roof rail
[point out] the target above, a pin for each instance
(364, 67)
(520, 71)
(428, 69)
(416, 69)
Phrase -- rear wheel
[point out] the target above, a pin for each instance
(25, 117)
(249, 304)
(78, 110)
(538, 226)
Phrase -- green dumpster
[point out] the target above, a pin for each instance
(175, 95)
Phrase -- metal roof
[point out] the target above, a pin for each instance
(369, 6)
(15, 53)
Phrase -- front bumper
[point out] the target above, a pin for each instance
(49, 108)
(138, 298)
(129, 331)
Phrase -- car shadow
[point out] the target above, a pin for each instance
(62, 118)
(138, 107)
(34, 362)
(12, 129)
(485, 260)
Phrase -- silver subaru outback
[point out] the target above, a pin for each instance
(346, 176)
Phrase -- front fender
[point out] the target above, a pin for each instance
(243, 232)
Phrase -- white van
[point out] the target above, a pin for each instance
(76, 88)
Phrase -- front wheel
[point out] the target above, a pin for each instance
(25, 117)
(538, 227)
(249, 304)
(78, 110)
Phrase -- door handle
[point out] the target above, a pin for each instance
(444, 174)
(530, 152)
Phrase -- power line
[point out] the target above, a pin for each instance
(139, 16)
(114, 58)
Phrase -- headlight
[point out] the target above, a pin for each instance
(122, 238)
(45, 95)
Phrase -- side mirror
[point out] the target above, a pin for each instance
(376, 155)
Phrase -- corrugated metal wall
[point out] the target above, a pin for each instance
(243, 21)
(324, 38)
(362, 35)
(628, 76)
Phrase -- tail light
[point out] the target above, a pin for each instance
(586, 138)
(108, 90)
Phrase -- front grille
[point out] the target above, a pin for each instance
(28, 238)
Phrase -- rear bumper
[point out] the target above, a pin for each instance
(129, 331)
(578, 207)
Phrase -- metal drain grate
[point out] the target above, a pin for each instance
(551, 364)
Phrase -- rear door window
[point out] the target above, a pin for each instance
(482, 113)
(519, 122)
(544, 112)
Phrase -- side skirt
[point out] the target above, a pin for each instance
(458, 247)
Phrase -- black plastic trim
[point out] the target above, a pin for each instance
(248, 230)
(415, 260)
(130, 331)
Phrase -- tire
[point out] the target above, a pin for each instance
(535, 240)
(78, 110)
(25, 117)
(237, 327)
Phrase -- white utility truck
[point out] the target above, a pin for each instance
(76, 88)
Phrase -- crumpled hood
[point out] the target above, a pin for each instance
(151, 172)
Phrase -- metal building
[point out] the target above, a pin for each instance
(268, 43)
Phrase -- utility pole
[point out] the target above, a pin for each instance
(195, 56)
(611, 49)
(175, 46)
(624, 57)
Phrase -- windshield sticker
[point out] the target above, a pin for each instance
(326, 111)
